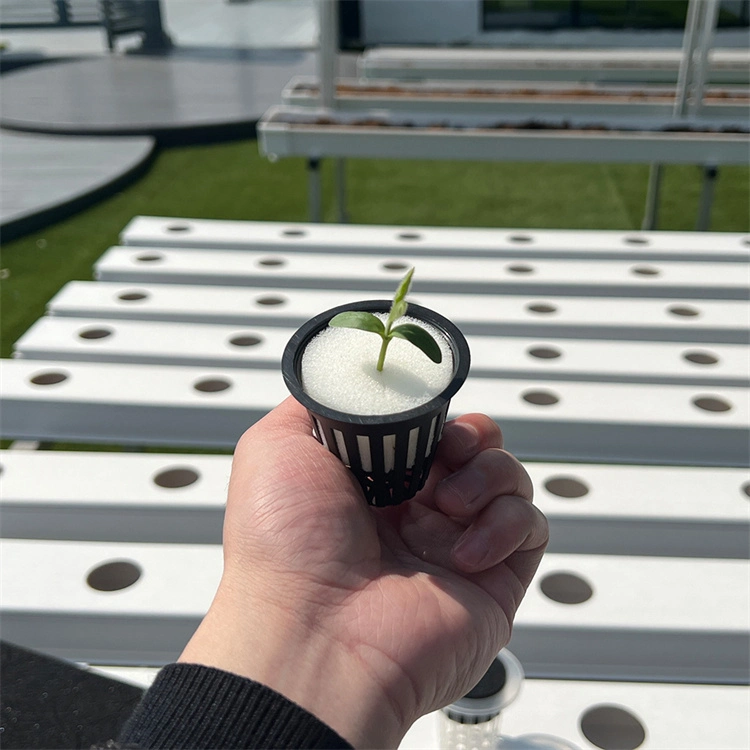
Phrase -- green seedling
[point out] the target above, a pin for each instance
(414, 334)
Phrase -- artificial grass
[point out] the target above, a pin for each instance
(232, 181)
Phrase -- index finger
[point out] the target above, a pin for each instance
(463, 438)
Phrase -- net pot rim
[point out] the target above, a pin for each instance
(292, 360)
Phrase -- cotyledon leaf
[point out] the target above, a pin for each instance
(364, 321)
(420, 338)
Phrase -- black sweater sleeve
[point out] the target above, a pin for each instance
(192, 706)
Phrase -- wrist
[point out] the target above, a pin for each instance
(288, 653)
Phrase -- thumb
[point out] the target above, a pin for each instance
(288, 423)
(289, 417)
(281, 449)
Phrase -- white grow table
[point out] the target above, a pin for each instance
(318, 133)
(640, 464)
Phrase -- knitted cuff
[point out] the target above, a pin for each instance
(193, 706)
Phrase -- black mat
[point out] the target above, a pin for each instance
(49, 703)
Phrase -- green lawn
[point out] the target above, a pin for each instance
(231, 181)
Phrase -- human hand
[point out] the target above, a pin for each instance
(369, 617)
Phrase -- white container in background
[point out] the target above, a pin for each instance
(473, 722)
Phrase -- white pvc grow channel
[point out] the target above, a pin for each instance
(603, 65)
(261, 347)
(460, 242)
(472, 276)
(552, 102)
(706, 321)
(167, 498)
(209, 407)
(301, 131)
(635, 624)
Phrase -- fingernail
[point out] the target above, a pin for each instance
(472, 548)
(466, 484)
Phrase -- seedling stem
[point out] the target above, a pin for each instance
(415, 334)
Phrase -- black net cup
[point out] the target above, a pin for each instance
(390, 454)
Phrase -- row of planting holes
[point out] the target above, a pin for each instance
(521, 239)
(560, 587)
(564, 487)
(517, 268)
(240, 340)
(608, 727)
(605, 726)
(541, 308)
(565, 588)
(538, 352)
(534, 397)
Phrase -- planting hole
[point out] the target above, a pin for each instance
(132, 296)
(113, 576)
(569, 487)
(294, 233)
(746, 488)
(645, 271)
(566, 588)
(394, 266)
(212, 385)
(409, 236)
(179, 228)
(150, 258)
(175, 478)
(634, 239)
(48, 378)
(520, 268)
(95, 333)
(245, 340)
(271, 262)
(269, 301)
(521, 238)
(746, 240)
(544, 352)
(543, 309)
(700, 358)
(612, 728)
(683, 311)
(540, 398)
(712, 403)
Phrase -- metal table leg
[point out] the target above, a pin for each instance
(314, 191)
(651, 215)
(340, 177)
(710, 173)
